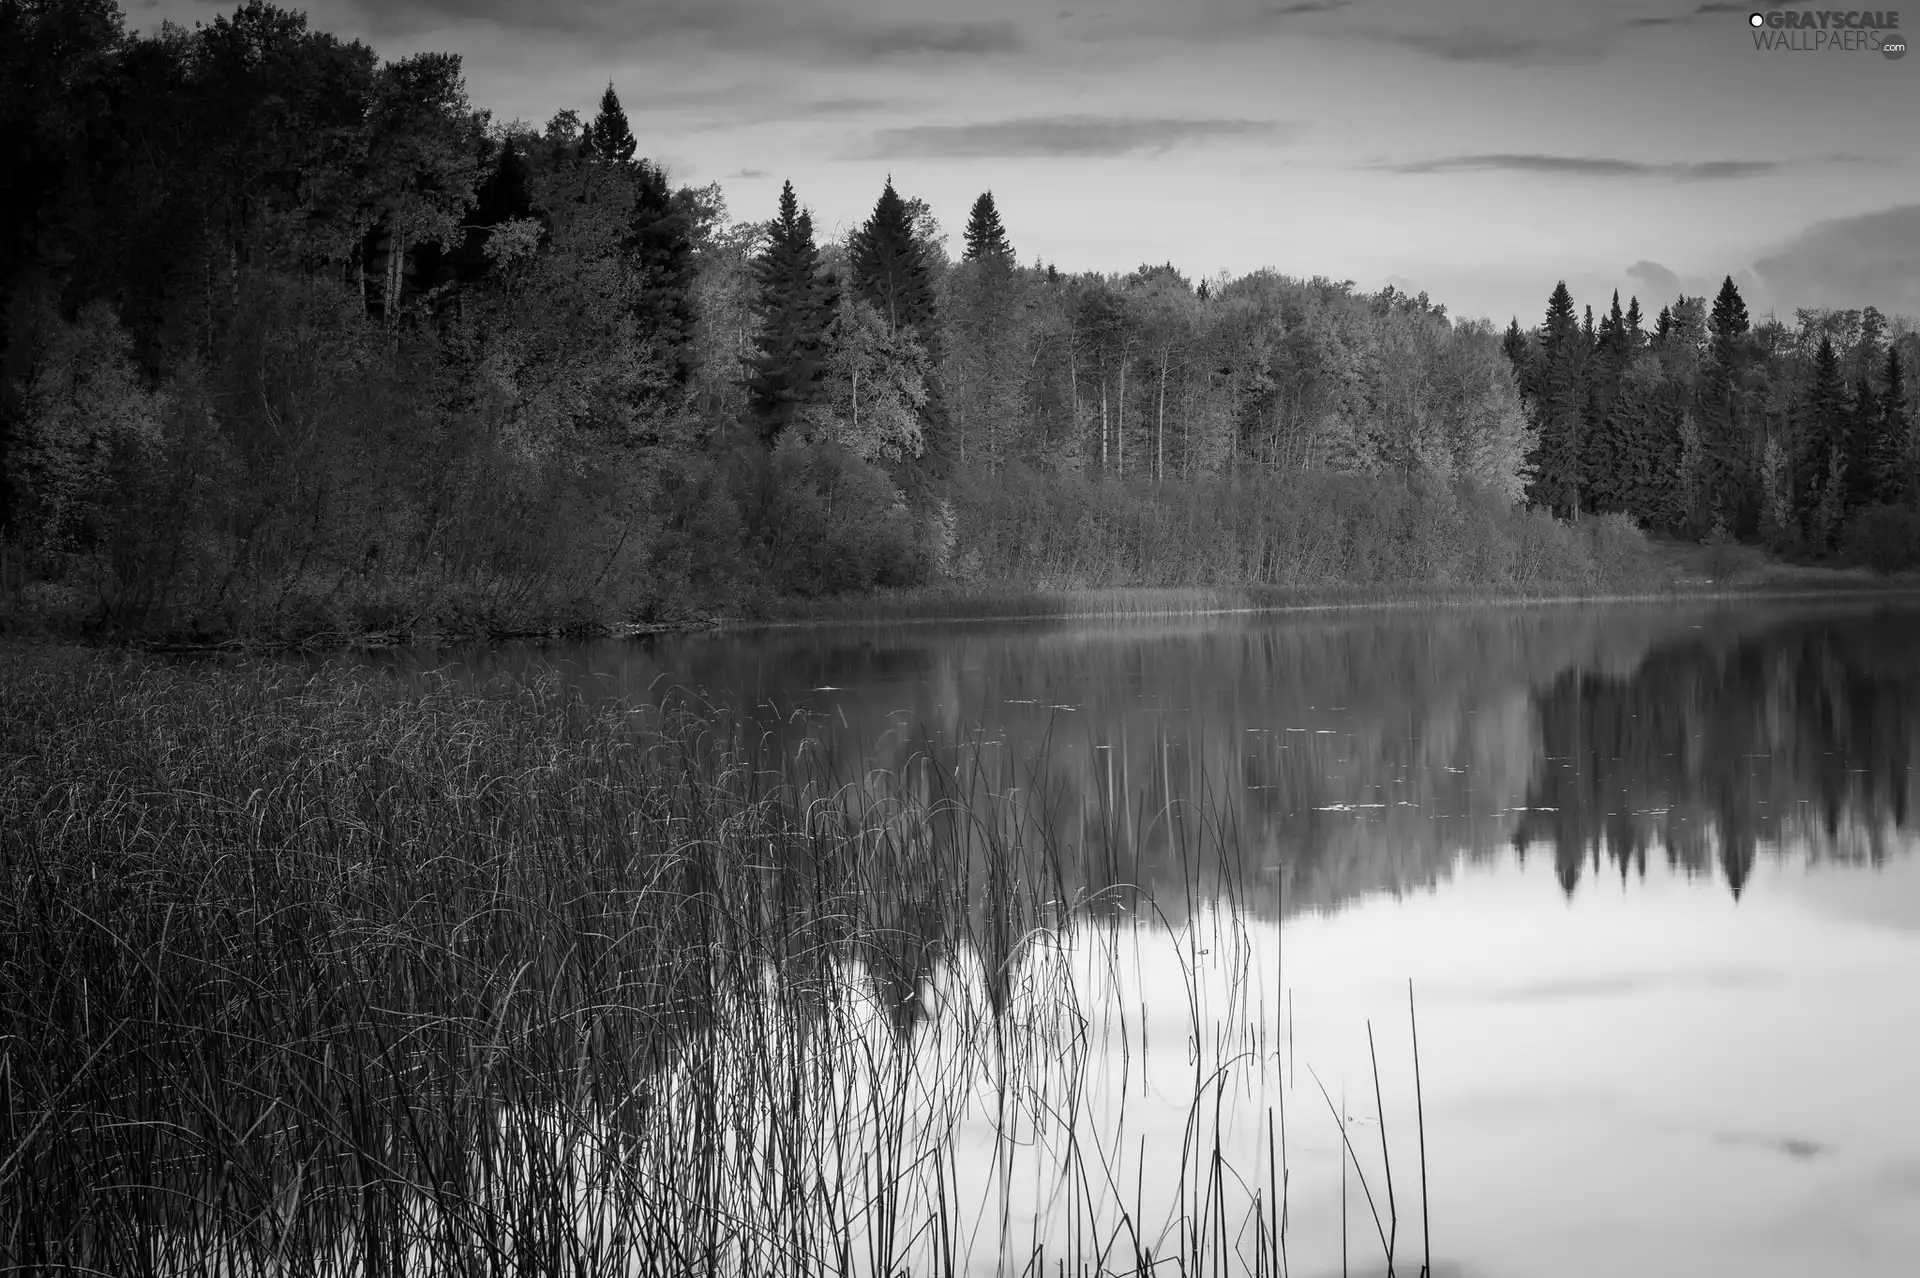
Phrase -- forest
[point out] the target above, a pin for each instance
(301, 342)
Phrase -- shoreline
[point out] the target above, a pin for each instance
(950, 607)
(924, 609)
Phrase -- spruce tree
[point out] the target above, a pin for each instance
(1819, 445)
(889, 271)
(1517, 347)
(608, 138)
(1729, 316)
(985, 236)
(1667, 487)
(656, 244)
(1722, 439)
(1633, 421)
(796, 307)
(1893, 438)
(659, 249)
(1556, 458)
(1604, 453)
(1863, 422)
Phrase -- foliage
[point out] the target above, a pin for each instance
(1885, 538)
(986, 237)
(875, 389)
(796, 305)
(298, 341)
(837, 524)
(1768, 432)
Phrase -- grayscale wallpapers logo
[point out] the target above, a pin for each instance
(1829, 31)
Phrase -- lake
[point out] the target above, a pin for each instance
(1648, 872)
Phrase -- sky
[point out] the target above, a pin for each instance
(1477, 150)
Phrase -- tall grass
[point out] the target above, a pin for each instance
(313, 974)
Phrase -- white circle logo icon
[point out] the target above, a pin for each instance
(1756, 19)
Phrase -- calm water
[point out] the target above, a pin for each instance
(1651, 871)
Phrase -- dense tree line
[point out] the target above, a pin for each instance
(299, 339)
(1800, 436)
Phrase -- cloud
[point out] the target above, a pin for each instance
(883, 40)
(1849, 261)
(1660, 281)
(1585, 166)
(1504, 48)
(747, 175)
(1304, 7)
(1716, 9)
(724, 25)
(1060, 135)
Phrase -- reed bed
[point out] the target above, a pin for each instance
(323, 973)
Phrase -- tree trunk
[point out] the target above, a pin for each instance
(1160, 427)
(396, 258)
(1103, 425)
(1073, 380)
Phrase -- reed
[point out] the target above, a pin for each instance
(318, 973)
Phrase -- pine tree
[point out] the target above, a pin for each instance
(1663, 327)
(985, 236)
(657, 245)
(1604, 452)
(1722, 438)
(889, 271)
(1633, 422)
(659, 249)
(1557, 407)
(608, 138)
(1893, 438)
(1729, 317)
(1636, 338)
(796, 305)
(1819, 445)
(1517, 347)
(1863, 421)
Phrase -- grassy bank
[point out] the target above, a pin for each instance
(310, 973)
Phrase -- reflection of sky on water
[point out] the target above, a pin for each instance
(1652, 872)
(1655, 1080)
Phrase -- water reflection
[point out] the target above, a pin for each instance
(1799, 736)
(1632, 1080)
(1345, 757)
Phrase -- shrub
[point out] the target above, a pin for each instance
(837, 523)
(1885, 538)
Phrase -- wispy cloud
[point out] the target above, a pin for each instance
(1304, 7)
(1503, 48)
(1061, 135)
(1586, 166)
(759, 26)
(888, 39)
(1714, 10)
